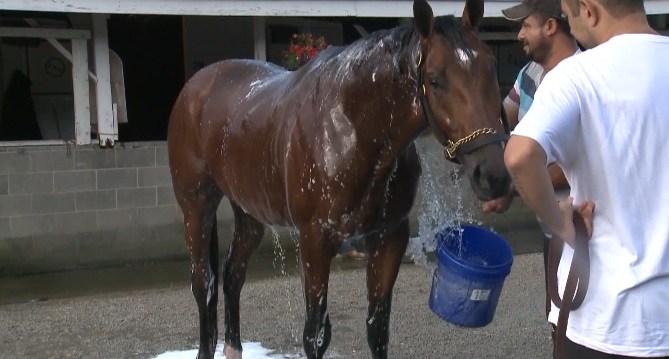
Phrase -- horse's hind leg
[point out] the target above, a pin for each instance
(385, 256)
(248, 234)
(199, 208)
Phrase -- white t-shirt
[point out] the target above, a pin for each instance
(604, 116)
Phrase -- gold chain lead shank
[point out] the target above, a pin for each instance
(452, 147)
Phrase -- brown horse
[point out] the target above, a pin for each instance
(329, 150)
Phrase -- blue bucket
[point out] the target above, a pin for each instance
(472, 263)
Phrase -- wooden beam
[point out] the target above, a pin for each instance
(80, 88)
(107, 125)
(56, 45)
(44, 33)
(259, 38)
(33, 143)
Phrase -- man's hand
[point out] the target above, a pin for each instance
(498, 205)
(585, 211)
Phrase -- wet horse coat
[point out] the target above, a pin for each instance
(327, 149)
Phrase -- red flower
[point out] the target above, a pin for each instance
(302, 48)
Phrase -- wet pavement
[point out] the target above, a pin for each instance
(143, 311)
(43, 287)
(517, 226)
(142, 323)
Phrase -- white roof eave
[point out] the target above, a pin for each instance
(234, 8)
(356, 8)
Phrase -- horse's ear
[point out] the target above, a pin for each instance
(422, 13)
(473, 13)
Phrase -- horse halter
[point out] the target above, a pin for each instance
(467, 144)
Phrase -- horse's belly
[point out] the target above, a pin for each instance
(244, 173)
(269, 208)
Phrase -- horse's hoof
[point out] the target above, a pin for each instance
(232, 353)
(204, 355)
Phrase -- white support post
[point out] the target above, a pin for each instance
(107, 123)
(80, 86)
(259, 39)
(661, 22)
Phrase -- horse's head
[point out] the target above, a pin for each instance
(459, 93)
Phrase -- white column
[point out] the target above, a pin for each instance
(259, 40)
(80, 86)
(107, 125)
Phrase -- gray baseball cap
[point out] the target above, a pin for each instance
(550, 8)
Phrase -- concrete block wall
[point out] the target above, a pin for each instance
(64, 208)
(67, 207)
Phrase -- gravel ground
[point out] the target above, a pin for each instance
(145, 323)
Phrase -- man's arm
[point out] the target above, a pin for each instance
(558, 179)
(526, 161)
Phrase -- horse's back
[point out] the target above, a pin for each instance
(217, 85)
(219, 130)
(216, 82)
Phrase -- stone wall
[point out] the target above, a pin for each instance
(66, 207)
(73, 207)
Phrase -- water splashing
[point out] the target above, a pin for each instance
(445, 199)
(279, 258)
(279, 262)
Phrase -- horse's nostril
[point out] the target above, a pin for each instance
(477, 173)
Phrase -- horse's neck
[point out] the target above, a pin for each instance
(397, 125)
(375, 92)
(403, 119)
(408, 121)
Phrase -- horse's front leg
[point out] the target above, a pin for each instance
(316, 254)
(385, 256)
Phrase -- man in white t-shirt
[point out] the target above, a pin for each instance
(546, 39)
(603, 116)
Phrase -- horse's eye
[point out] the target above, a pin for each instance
(436, 80)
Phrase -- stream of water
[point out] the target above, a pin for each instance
(445, 201)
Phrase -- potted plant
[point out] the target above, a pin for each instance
(303, 47)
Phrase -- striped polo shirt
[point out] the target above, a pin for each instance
(522, 93)
(527, 82)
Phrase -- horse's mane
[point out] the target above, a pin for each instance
(401, 43)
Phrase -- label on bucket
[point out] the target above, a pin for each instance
(480, 294)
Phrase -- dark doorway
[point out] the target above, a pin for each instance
(151, 47)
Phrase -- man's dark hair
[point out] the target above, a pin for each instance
(562, 24)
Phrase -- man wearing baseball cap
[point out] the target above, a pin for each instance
(546, 39)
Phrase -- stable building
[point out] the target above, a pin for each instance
(86, 88)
